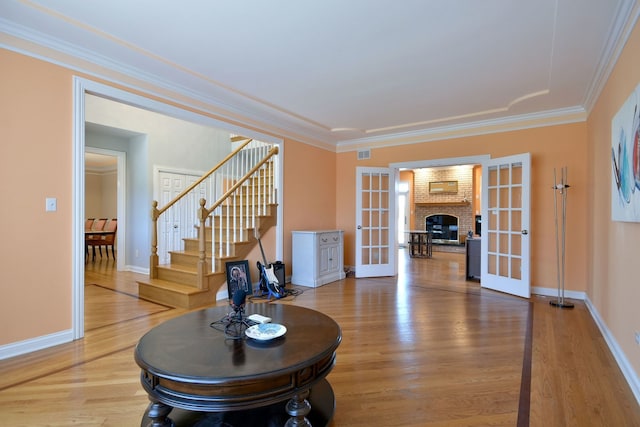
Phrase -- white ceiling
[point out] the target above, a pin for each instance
(342, 73)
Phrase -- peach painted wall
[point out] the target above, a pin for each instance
(550, 147)
(614, 270)
(35, 163)
(309, 201)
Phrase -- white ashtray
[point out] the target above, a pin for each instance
(266, 331)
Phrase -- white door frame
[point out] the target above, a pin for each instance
(121, 200)
(451, 161)
(81, 86)
(401, 219)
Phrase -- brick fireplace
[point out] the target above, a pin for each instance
(464, 214)
(457, 204)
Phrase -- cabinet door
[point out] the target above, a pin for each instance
(329, 259)
(324, 261)
(334, 258)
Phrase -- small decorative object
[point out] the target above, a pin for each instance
(238, 277)
(266, 331)
(470, 234)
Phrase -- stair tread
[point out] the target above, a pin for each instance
(179, 267)
(189, 253)
(172, 286)
(185, 268)
(195, 254)
(238, 242)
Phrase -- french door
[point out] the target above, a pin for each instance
(375, 222)
(505, 224)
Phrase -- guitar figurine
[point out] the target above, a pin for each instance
(267, 275)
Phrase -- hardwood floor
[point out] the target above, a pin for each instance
(425, 348)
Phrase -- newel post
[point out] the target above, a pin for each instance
(202, 260)
(153, 258)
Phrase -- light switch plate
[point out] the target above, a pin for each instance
(51, 204)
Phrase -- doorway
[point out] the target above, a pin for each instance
(417, 217)
(404, 212)
(82, 87)
(103, 160)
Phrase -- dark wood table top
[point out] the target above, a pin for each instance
(188, 364)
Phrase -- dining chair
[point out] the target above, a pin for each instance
(88, 225)
(94, 240)
(109, 239)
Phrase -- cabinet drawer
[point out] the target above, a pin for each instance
(328, 239)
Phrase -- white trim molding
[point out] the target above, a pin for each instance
(627, 370)
(553, 292)
(34, 344)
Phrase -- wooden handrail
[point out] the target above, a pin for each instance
(186, 191)
(271, 153)
(203, 213)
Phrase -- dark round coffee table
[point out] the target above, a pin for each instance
(195, 375)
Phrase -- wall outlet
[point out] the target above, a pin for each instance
(637, 337)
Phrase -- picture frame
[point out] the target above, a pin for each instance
(443, 187)
(238, 277)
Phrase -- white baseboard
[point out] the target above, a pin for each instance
(34, 344)
(553, 292)
(136, 269)
(223, 293)
(627, 370)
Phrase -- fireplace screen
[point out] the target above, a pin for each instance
(443, 228)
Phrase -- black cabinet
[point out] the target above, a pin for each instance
(473, 259)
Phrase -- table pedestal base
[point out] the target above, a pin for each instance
(298, 407)
(321, 399)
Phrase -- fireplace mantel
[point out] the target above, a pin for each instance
(444, 204)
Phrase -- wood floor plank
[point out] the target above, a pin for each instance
(424, 348)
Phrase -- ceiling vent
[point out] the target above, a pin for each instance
(364, 154)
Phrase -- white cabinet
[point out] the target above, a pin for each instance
(317, 257)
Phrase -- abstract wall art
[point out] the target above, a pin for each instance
(625, 161)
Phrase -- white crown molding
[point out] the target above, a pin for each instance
(626, 19)
(525, 121)
(102, 171)
(441, 163)
(33, 44)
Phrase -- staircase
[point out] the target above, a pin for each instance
(224, 232)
